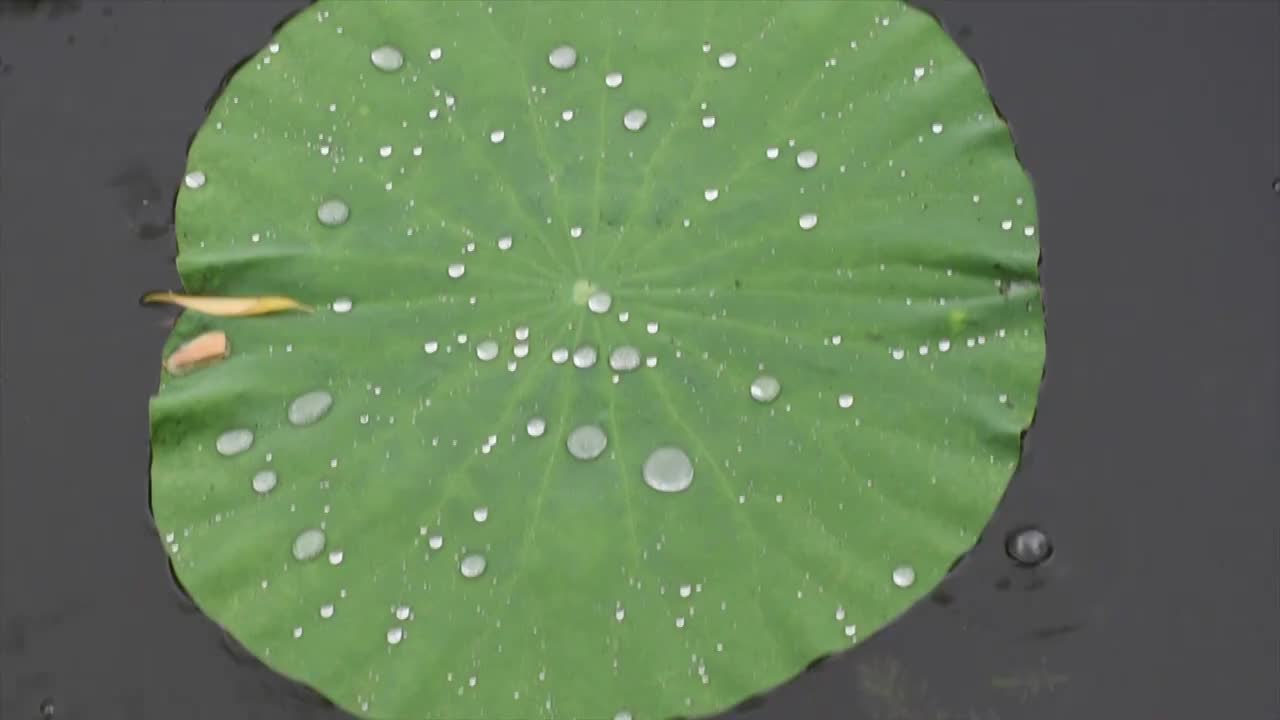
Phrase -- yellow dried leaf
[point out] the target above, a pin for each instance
(228, 306)
(199, 352)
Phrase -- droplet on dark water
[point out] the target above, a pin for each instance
(1029, 546)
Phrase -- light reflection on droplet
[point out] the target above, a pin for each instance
(497, 136)
(711, 194)
(771, 152)
(395, 635)
(504, 242)
(480, 514)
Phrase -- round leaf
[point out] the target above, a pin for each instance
(658, 348)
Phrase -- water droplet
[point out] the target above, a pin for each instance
(586, 442)
(944, 345)
(308, 544)
(395, 635)
(635, 119)
(385, 151)
(521, 350)
(840, 612)
(430, 347)
(668, 469)
(472, 566)
(622, 715)
(560, 355)
(771, 152)
(1006, 224)
(904, 576)
(584, 357)
(850, 630)
(1029, 230)
(711, 194)
(613, 79)
(1029, 546)
(326, 611)
(504, 243)
(194, 179)
(567, 115)
(536, 426)
(342, 305)
(936, 128)
(918, 73)
(575, 231)
(522, 333)
(807, 159)
(563, 57)
(651, 328)
(708, 121)
(497, 136)
(335, 557)
(808, 221)
(333, 213)
(310, 407)
(480, 514)
(845, 401)
(898, 353)
(457, 270)
(728, 60)
(435, 542)
(264, 481)
(765, 389)
(686, 590)
(600, 302)
(680, 622)
(435, 53)
(297, 632)
(624, 359)
(487, 350)
(234, 442)
(387, 58)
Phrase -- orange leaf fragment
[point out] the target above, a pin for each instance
(201, 351)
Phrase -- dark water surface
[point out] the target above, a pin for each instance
(1152, 132)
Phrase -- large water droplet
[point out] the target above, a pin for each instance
(936, 128)
(504, 242)
(904, 576)
(668, 469)
(264, 481)
(845, 401)
(194, 179)
(480, 514)
(728, 60)
(563, 57)
(765, 389)
(613, 79)
(387, 58)
(487, 350)
(395, 635)
(708, 121)
(307, 408)
(711, 194)
(472, 566)
(586, 442)
(584, 357)
(599, 302)
(808, 221)
(308, 544)
(457, 270)
(497, 136)
(635, 119)
(234, 442)
(536, 426)
(333, 213)
(624, 359)
(807, 159)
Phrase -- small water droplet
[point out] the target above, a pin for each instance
(845, 401)
(335, 557)
(635, 119)
(904, 576)
(651, 328)
(326, 611)
(728, 60)
(686, 590)
(600, 302)
(385, 151)
(567, 115)
(711, 194)
(435, 542)
(1006, 224)
(668, 469)
(480, 514)
(536, 426)
(807, 159)
(472, 566)
(586, 442)
(808, 221)
(680, 622)
(898, 353)
(708, 121)
(563, 57)
(622, 715)
(840, 612)
(624, 359)
(395, 635)
(575, 231)
(497, 136)
(234, 442)
(765, 389)
(522, 333)
(560, 355)
(944, 345)
(1029, 546)
(309, 407)
(1029, 230)
(308, 544)
(918, 73)
(850, 630)
(771, 152)
(194, 179)
(297, 632)
(936, 128)
(584, 357)
(387, 58)
(430, 347)
(457, 270)
(435, 53)
(504, 243)
(521, 350)
(613, 79)
(333, 213)
(342, 305)
(264, 481)
(487, 350)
